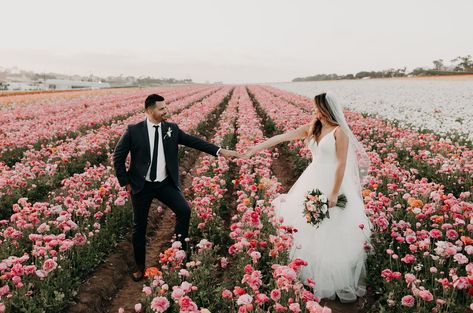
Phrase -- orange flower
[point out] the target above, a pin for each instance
(437, 219)
(415, 203)
(466, 240)
(152, 272)
(246, 201)
(366, 193)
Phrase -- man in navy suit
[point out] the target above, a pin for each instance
(154, 171)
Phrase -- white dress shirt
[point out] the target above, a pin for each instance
(161, 165)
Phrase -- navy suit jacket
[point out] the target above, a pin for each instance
(135, 141)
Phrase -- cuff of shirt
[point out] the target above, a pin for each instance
(218, 151)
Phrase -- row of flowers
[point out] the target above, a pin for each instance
(434, 157)
(180, 286)
(422, 243)
(261, 244)
(41, 170)
(29, 127)
(235, 271)
(47, 247)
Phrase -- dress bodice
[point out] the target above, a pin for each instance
(325, 150)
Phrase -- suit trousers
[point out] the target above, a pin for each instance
(171, 196)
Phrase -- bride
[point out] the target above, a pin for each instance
(335, 250)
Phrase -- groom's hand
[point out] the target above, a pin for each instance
(128, 189)
(229, 153)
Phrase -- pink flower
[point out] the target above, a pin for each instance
(4, 290)
(160, 304)
(121, 310)
(452, 234)
(227, 294)
(410, 278)
(295, 307)
(408, 301)
(245, 299)
(261, 298)
(426, 295)
(138, 307)
(310, 282)
(49, 265)
(279, 307)
(460, 258)
(147, 290)
(223, 262)
(187, 305)
(177, 293)
(435, 233)
(408, 259)
(275, 294)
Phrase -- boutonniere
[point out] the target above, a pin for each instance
(168, 133)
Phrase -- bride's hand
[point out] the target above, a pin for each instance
(332, 200)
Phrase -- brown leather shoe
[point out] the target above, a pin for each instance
(138, 275)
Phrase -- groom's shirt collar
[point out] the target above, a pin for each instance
(151, 124)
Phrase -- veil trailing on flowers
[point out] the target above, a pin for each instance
(358, 161)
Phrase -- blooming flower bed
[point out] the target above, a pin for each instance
(422, 243)
(40, 170)
(47, 247)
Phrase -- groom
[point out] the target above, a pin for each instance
(153, 171)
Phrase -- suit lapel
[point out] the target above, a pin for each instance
(164, 135)
(144, 129)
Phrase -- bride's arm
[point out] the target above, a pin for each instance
(341, 145)
(298, 133)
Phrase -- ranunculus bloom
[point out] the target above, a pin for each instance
(426, 295)
(408, 301)
(160, 304)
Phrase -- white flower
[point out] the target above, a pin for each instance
(323, 198)
(168, 133)
(324, 208)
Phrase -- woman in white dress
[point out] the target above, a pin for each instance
(335, 251)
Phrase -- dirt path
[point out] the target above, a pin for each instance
(111, 286)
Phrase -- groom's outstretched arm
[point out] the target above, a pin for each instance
(119, 158)
(196, 143)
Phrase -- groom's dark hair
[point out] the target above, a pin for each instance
(152, 99)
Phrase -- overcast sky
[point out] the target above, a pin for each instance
(231, 41)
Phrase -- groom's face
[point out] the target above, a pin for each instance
(158, 112)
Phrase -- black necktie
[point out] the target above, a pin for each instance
(154, 163)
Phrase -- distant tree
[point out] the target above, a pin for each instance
(465, 63)
(438, 65)
(3, 86)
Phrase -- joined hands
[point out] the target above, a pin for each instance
(231, 153)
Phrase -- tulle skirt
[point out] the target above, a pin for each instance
(335, 250)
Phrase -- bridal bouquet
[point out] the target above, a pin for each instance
(316, 206)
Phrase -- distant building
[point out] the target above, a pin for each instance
(54, 84)
(62, 84)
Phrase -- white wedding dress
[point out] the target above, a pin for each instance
(335, 250)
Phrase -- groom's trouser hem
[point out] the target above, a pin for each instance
(171, 196)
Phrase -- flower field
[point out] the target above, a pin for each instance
(62, 210)
(441, 105)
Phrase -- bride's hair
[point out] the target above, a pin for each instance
(325, 110)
